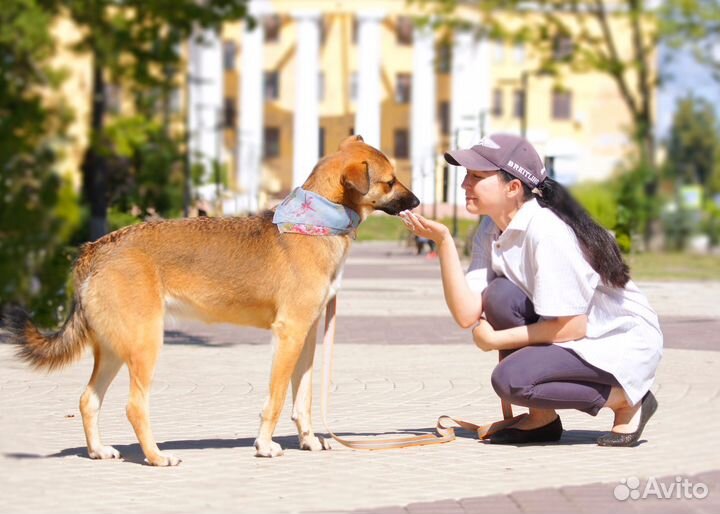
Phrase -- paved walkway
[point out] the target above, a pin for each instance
(399, 364)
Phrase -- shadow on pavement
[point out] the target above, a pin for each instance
(132, 452)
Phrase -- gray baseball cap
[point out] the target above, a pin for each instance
(507, 152)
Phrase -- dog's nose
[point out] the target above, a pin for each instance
(414, 202)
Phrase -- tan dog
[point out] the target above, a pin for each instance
(229, 270)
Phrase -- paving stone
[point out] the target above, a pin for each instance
(399, 364)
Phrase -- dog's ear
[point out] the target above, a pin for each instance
(357, 176)
(351, 139)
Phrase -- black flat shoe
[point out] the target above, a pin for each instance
(544, 434)
(648, 406)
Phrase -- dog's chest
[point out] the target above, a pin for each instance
(336, 282)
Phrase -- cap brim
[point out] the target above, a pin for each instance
(470, 160)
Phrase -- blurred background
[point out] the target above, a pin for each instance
(114, 112)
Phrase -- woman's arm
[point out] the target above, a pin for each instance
(464, 305)
(558, 330)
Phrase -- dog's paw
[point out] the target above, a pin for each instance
(271, 449)
(314, 444)
(163, 460)
(104, 452)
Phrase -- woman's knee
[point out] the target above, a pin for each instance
(506, 306)
(505, 380)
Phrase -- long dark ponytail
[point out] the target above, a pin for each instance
(598, 245)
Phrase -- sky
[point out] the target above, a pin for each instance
(686, 76)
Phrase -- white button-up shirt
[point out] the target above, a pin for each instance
(539, 253)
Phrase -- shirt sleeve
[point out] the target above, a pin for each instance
(564, 282)
(480, 271)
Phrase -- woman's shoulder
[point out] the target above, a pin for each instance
(547, 225)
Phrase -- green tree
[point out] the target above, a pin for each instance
(38, 209)
(693, 146)
(134, 43)
(145, 169)
(583, 36)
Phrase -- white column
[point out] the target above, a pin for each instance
(469, 111)
(305, 122)
(252, 111)
(423, 116)
(367, 116)
(205, 104)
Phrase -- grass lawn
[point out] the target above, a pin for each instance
(674, 266)
(384, 227)
(646, 266)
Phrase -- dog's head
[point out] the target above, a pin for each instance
(361, 178)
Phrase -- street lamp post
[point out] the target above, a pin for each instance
(524, 106)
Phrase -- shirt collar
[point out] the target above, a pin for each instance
(522, 217)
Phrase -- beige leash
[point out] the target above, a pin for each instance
(444, 428)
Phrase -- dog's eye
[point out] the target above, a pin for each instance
(391, 183)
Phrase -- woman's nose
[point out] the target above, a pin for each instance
(464, 184)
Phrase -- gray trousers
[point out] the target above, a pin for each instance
(545, 376)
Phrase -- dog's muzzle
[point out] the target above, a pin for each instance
(399, 204)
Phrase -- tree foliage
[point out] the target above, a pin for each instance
(694, 24)
(618, 39)
(693, 145)
(38, 210)
(133, 43)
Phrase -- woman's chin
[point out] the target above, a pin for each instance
(472, 207)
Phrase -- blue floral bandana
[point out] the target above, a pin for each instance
(305, 212)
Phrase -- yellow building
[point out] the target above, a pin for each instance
(269, 102)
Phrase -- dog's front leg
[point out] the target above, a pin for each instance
(302, 395)
(288, 339)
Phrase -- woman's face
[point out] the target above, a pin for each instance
(485, 192)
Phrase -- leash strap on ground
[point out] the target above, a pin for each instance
(445, 433)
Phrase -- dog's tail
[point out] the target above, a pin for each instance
(48, 351)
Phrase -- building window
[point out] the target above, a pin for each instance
(323, 28)
(113, 98)
(563, 48)
(404, 31)
(561, 105)
(519, 52)
(321, 141)
(272, 142)
(402, 144)
(354, 33)
(497, 102)
(403, 88)
(229, 52)
(271, 26)
(446, 184)
(444, 57)
(499, 50)
(518, 103)
(176, 100)
(444, 113)
(229, 113)
(321, 86)
(353, 86)
(351, 132)
(272, 85)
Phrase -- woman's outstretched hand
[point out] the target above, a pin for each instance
(424, 227)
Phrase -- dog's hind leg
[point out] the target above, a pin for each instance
(289, 335)
(302, 395)
(104, 371)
